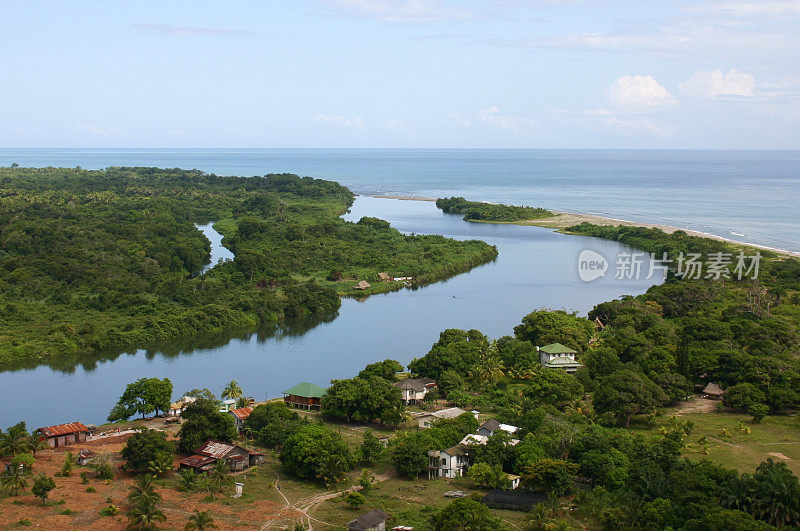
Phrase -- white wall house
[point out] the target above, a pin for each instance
(415, 389)
(557, 356)
(450, 463)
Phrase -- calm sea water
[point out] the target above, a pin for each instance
(536, 267)
(750, 196)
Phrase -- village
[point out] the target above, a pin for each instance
(253, 486)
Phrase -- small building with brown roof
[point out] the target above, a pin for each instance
(362, 285)
(211, 451)
(372, 521)
(713, 391)
(240, 415)
(64, 434)
(383, 277)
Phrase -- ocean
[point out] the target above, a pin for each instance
(748, 196)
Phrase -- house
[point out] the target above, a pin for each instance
(64, 434)
(362, 285)
(713, 391)
(450, 463)
(176, 408)
(490, 426)
(240, 415)
(303, 396)
(415, 389)
(383, 277)
(211, 451)
(427, 419)
(226, 405)
(372, 521)
(557, 356)
(84, 457)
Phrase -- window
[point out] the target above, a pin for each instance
(444, 461)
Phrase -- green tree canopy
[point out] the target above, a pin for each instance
(625, 394)
(543, 327)
(202, 420)
(144, 396)
(316, 453)
(145, 448)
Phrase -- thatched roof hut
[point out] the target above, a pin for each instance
(713, 390)
(362, 285)
(383, 277)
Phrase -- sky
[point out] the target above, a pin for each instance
(401, 73)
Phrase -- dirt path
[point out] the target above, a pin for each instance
(697, 405)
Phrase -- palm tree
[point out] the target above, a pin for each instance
(36, 442)
(777, 494)
(738, 494)
(14, 481)
(200, 520)
(143, 492)
(219, 475)
(15, 440)
(232, 390)
(489, 370)
(188, 479)
(145, 517)
(143, 513)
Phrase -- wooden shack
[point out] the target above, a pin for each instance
(64, 434)
(211, 451)
(362, 285)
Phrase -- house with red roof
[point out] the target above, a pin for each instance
(64, 434)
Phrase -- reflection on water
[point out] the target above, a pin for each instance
(535, 268)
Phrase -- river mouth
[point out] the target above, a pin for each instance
(535, 268)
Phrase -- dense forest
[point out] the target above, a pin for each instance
(480, 211)
(110, 258)
(640, 355)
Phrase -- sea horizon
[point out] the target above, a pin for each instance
(720, 192)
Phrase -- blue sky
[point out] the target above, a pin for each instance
(401, 73)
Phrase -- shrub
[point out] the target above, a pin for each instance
(111, 510)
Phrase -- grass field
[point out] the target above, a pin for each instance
(728, 442)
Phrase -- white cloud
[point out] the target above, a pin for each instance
(182, 31)
(516, 124)
(715, 83)
(400, 10)
(639, 93)
(357, 123)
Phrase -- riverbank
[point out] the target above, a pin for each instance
(563, 220)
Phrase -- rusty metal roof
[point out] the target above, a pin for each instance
(64, 429)
(241, 413)
(215, 449)
(198, 461)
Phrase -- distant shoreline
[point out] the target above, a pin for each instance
(564, 220)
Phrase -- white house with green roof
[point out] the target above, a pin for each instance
(557, 356)
(304, 396)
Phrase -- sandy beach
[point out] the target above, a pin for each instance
(563, 220)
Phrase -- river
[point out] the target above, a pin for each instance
(536, 268)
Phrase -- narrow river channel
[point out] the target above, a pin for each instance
(536, 268)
